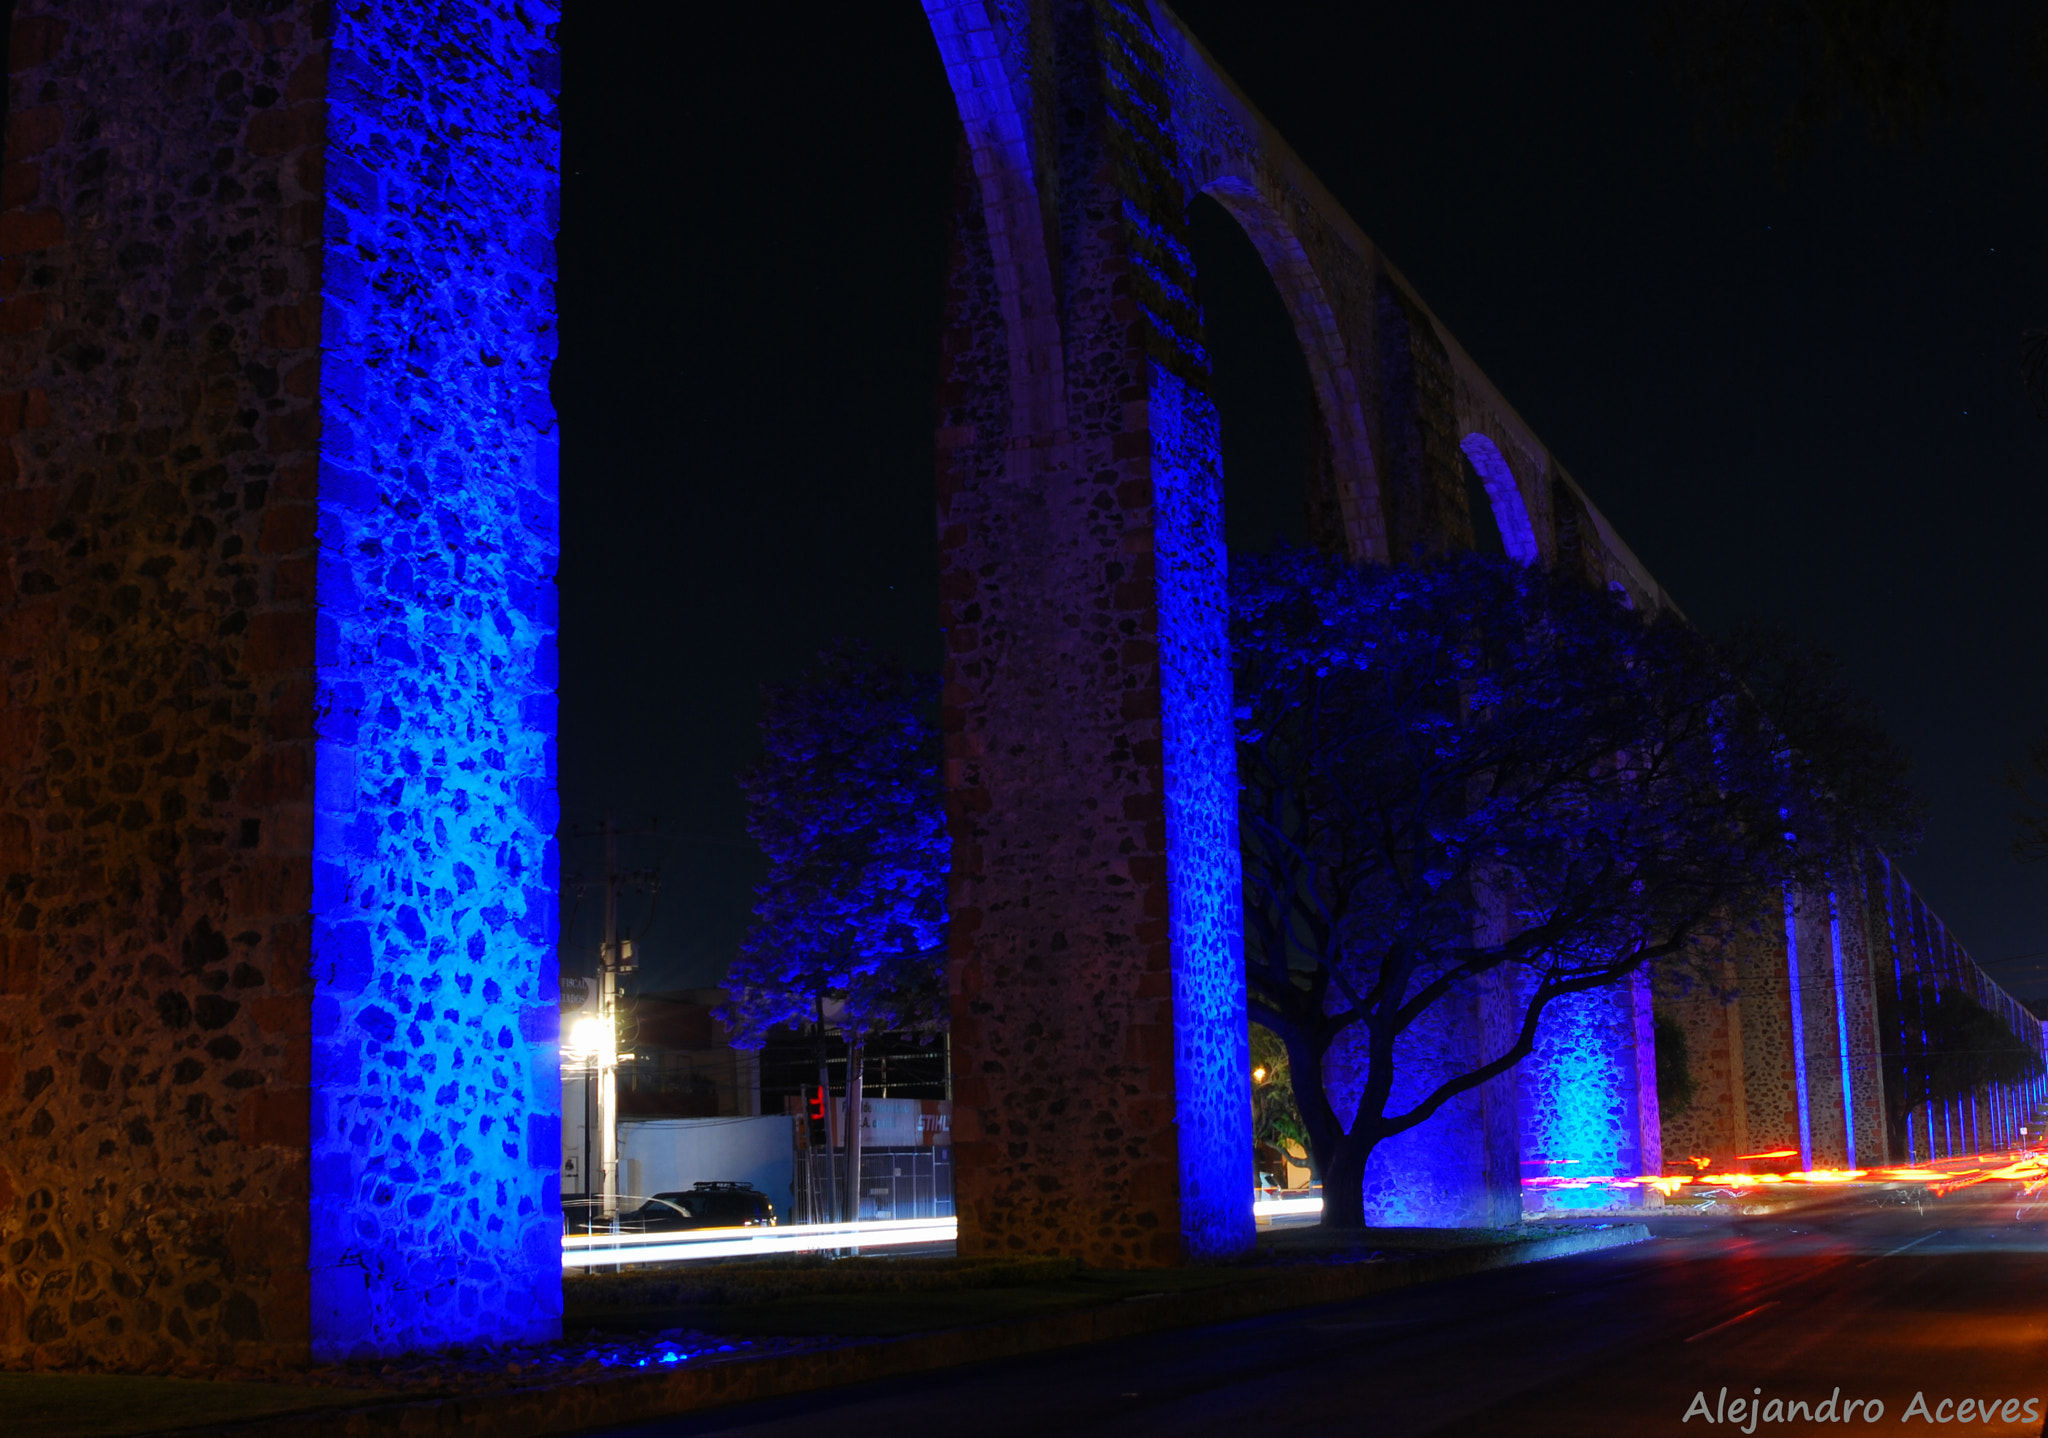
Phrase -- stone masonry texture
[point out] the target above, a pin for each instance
(1746, 1074)
(436, 1110)
(1098, 1011)
(276, 506)
(1089, 128)
(1907, 944)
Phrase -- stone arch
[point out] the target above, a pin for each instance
(994, 102)
(1510, 510)
(1332, 378)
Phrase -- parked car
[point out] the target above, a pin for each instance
(713, 1204)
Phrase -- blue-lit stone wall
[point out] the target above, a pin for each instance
(436, 1105)
(1588, 1100)
(1212, 1063)
(1456, 1168)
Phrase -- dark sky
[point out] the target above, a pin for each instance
(1796, 399)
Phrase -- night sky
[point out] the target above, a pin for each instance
(1797, 398)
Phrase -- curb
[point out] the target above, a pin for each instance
(627, 1398)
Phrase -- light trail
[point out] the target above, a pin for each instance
(590, 1250)
(593, 1250)
(606, 1250)
(1946, 1177)
(1730, 1323)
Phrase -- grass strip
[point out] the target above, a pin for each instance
(106, 1405)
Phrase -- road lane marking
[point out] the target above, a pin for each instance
(1900, 1249)
(1730, 1323)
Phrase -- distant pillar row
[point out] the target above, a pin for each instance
(1817, 1063)
(277, 501)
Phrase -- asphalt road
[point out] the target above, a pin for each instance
(1865, 1295)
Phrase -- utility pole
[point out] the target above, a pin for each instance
(615, 958)
(608, 1011)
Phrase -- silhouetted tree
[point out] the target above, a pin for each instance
(2030, 820)
(849, 921)
(1833, 738)
(1475, 773)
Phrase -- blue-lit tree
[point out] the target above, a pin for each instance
(1473, 772)
(849, 922)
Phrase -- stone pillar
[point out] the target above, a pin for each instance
(1102, 1085)
(1458, 1168)
(277, 504)
(1590, 1122)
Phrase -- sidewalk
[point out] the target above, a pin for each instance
(704, 1338)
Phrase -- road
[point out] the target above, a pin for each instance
(1859, 1294)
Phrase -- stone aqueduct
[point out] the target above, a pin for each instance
(277, 500)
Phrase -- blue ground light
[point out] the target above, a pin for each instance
(436, 1105)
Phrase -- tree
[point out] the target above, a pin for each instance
(1831, 734)
(2030, 819)
(1477, 777)
(849, 921)
(1276, 1123)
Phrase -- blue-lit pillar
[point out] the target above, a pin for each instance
(277, 500)
(1458, 1169)
(1590, 1123)
(1842, 1030)
(436, 1103)
(1795, 990)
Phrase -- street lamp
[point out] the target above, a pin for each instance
(586, 1038)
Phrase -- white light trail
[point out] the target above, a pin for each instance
(588, 1250)
(593, 1250)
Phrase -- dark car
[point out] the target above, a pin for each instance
(703, 1205)
(706, 1205)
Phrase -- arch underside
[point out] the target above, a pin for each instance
(1510, 509)
(1331, 375)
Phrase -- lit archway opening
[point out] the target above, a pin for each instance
(1504, 497)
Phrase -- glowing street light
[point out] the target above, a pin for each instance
(587, 1038)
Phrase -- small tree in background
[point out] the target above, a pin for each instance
(1833, 740)
(2030, 820)
(849, 921)
(1475, 772)
(1276, 1122)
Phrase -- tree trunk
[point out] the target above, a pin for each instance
(1312, 1103)
(1344, 1181)
(855, 1061)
